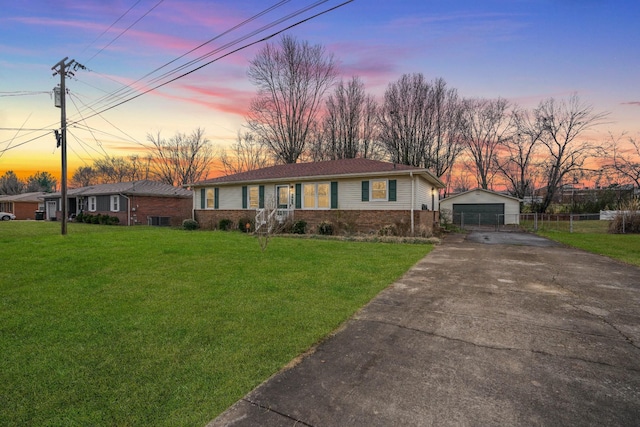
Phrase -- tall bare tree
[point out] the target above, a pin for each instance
(244, 155)
(563, 122)
(486, 125)
(442, 151)
(291, 77)
(404, 119)
(348, 128)
(181, 159)
(516, 159)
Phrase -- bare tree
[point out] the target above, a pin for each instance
(563, 122)
(291, 78)
(348, 128)
(181, 159)
(516, 159)
(244, 155)
(404, 119)
(442, 151)
(420, 123)
(486, 125)
(111, 170)
(625, 161)
(84, 176)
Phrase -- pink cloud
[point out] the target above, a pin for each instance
(634, 103)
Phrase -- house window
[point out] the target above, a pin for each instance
(316, 196)
(254, 197)
(92, 203)
(115, 203)
(209, 197)
(379, 190)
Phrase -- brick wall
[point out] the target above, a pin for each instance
(369, 222)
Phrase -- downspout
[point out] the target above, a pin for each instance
(128, 209)
(412, 201)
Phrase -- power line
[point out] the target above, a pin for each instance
(111, 26)
(106, 108)
(125, 30)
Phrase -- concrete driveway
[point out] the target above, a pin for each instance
(486, 330)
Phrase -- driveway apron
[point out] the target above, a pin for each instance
(488, 329)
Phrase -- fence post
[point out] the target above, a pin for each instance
(570, 223)
(535, 221)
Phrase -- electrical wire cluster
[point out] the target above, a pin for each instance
(256, 29)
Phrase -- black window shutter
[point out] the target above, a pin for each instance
(298, 196)
(334, 195)
(392, 190)
(244, 197)
(202, 198)
(216, 198)
(261, 197)
(365, 191)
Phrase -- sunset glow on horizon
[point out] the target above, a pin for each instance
(523, 51)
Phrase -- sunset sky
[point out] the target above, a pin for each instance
(521, 50)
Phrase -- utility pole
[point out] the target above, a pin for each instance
(63, 69)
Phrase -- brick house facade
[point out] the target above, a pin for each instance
(133, 203)
(23, 206)
(355, 195)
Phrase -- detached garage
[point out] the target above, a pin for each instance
(481, 207)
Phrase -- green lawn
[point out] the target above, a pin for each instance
(119, 326)
(625, 247)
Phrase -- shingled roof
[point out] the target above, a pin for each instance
(326, 169)
(134, 188)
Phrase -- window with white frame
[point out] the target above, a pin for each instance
(115, 203)
(316, 195)
(379, 189)
(92, 204)
(254, 197)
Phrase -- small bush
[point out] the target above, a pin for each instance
(79, 217)
(245, 225)
(95, 219)
(225, 224)
(325, 228)
(299, 227)
(103, 219)
(87, 218)
(388, 230)
(113, 220)
(628, 218)
(190, 224)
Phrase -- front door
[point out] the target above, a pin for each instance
(282, 192)
(51, 210)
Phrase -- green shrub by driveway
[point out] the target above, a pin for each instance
(155, 326)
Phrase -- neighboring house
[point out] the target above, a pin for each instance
(137, 202)
(481, 207)
(23, 206)
(357, 195)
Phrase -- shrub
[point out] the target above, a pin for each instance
(79, 217)
(87, 218)
(103, 219)
(325, 228)
(299, 227)
(95, 219)
(388, 230)
(225, 224)
(245, 224)
(190, 224)
(113, 220)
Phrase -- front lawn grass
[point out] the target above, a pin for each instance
(132, 326)
(624, 247)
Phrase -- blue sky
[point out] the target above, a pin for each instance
(521, 50)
